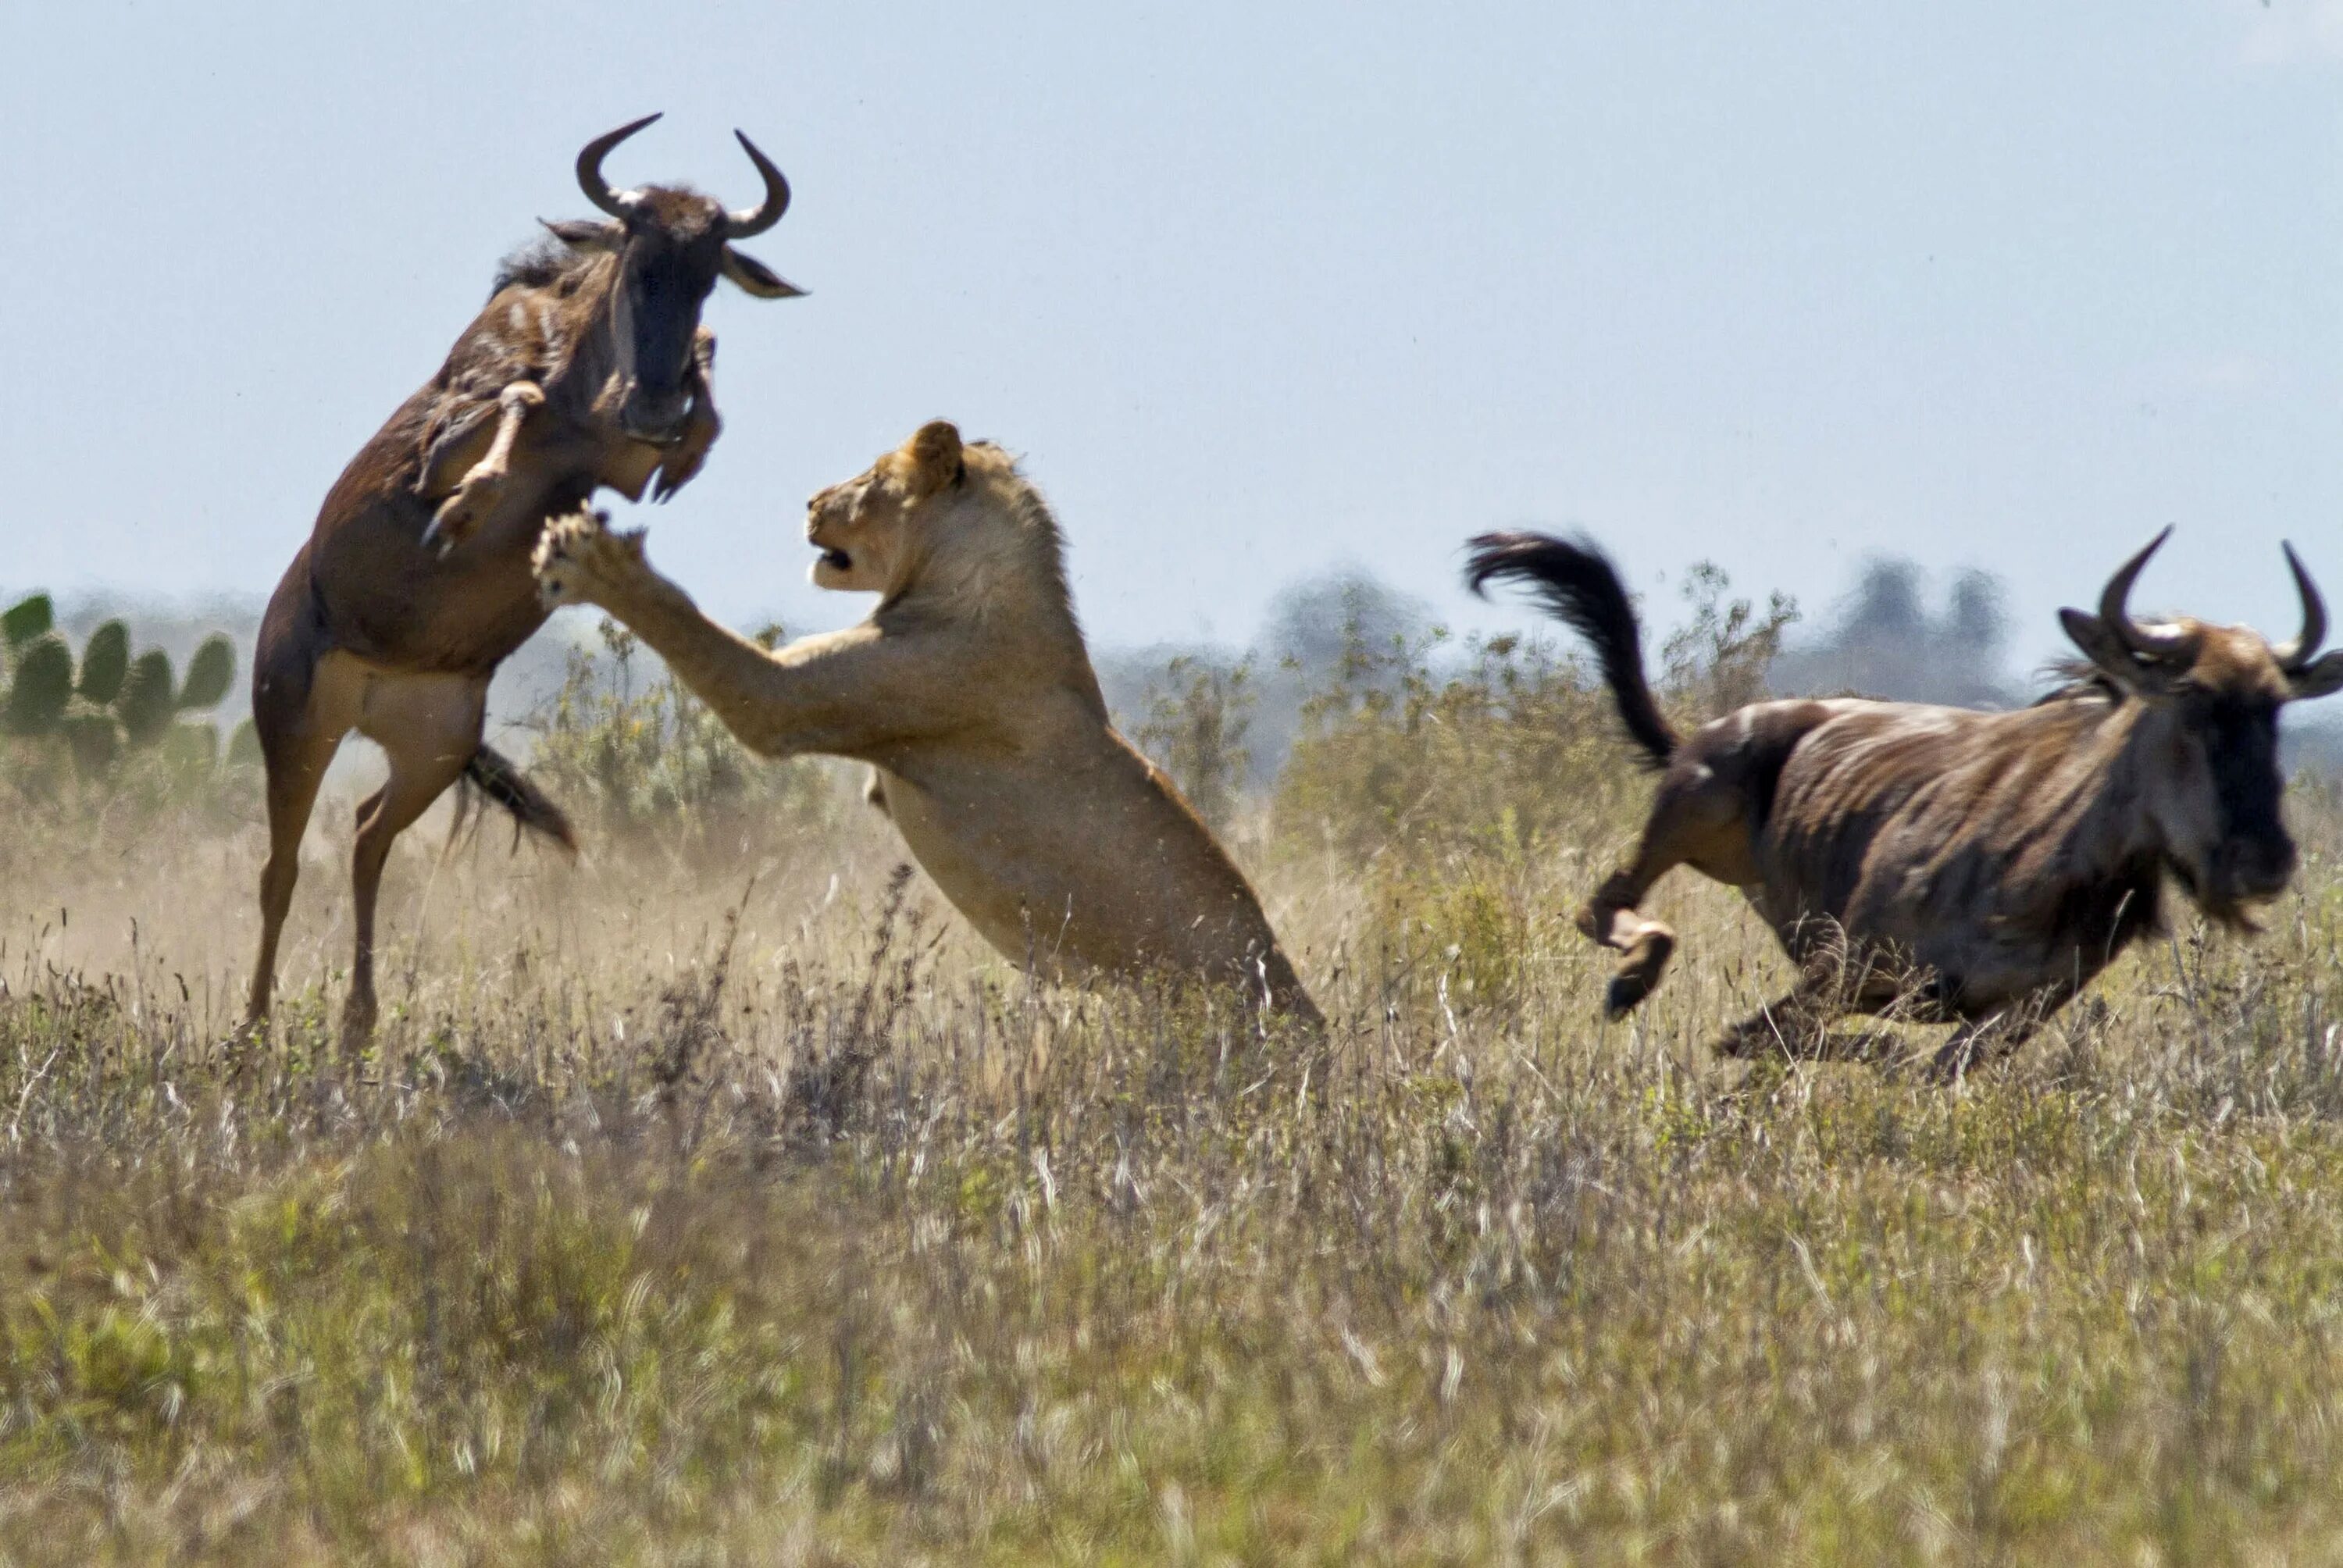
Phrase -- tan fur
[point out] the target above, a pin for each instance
(969, 691)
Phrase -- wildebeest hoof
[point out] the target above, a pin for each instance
(676, 472)
(1625, 994)
(462, 513)
(357, 1020)
(1952, 1061)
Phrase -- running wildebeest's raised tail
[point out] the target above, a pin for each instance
(1961, 867)
(1578, 584)
(589, 367)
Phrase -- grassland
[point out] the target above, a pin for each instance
(718, 1200)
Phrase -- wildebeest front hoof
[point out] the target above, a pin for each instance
(462, 513)
(441, 539)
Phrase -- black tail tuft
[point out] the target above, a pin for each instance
(495, 777)
(1578, 584)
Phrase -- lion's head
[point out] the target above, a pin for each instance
(934, 507)
(867, 528)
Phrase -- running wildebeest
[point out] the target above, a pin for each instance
(1977, 868)
(588, 367)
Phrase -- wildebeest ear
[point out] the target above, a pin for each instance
(755, 277)
(2323, 677)
(587, 234)
(2099, 645)
(935, 454)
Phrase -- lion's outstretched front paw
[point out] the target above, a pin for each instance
(580, 560)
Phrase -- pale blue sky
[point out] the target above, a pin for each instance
(1257, 288)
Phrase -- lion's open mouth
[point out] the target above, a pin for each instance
(838, 561)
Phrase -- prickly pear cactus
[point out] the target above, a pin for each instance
(244, 746)
(20, 623)
(112, 704)
(147, 701)
(40, 685)
(105, 660)
(209, 675)
(94, 737)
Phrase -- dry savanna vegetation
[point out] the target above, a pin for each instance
(718, 1200)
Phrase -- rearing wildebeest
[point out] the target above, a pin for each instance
(588, 367)
(1972, 867)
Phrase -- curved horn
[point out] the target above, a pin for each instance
(2293, 656)
(2117, 617)
(590, 167)
(755, 220)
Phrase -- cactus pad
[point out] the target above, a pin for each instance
(210, 674)
(191, 747)
(40, 688)
(26, 619)
(105, 660)
(116, 703)
(94, 736)
(144, 705)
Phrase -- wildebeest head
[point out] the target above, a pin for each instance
(671, 244)
(2207, 735)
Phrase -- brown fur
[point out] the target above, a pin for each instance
(1964, 867)
(587, 367)
(969, 692)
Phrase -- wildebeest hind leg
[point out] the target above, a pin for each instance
(1794, 1024)
(296, 765)
(1612, 919)
(429, 726)
(1687, 823)
(1982, 1040)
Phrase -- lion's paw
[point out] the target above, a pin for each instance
(579, 559)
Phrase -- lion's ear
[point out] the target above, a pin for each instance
(935, 455)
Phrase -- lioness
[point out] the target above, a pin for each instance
(969, 692)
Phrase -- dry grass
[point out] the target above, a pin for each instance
(695, 1207)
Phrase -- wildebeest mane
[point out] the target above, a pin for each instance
(539, 264)
(2076, 679)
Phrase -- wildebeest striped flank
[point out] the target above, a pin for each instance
(1972, 867)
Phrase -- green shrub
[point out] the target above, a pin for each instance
(1444, 792)
(1198, 715)
(656, 758)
